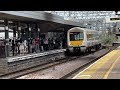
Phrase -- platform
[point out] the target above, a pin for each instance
(35, 55)
(107, 67)
(13, 64)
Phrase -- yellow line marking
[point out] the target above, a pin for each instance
(89, 66)
(108, 72)
(96, 65)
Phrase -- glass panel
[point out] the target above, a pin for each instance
(74, 36)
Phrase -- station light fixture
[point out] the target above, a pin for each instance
(29, 29)
(38, 29)
(19, 28)
(1, 20)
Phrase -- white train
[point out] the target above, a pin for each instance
(82, 40)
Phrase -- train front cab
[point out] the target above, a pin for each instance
(75, 50)
(75, 40)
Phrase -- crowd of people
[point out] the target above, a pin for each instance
(36, 45)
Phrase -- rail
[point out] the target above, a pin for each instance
(85, 65)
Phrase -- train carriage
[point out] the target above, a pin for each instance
(82, 40)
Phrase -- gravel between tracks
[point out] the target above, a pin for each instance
(60, 70)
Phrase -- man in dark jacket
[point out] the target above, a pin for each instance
(13, 47)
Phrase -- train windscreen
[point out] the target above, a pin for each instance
(117, 34)
(75, 36)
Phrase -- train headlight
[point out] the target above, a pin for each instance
(69, 43)
(83, 43)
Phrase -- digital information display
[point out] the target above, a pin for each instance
(112, 19)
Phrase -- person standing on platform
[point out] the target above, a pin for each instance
(18, 44)
(53, 43)
(10, 43)
(46, 44)
(37, 44)
(25, 46)
(30, 45)
(56, 43)
(33, 46)
(42, 43)
(21, 47)
(49, 44)
(13, 47)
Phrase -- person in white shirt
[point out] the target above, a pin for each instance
(25, 46)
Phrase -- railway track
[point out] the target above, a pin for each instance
(47, 65)
(16, 74)
(70, 74)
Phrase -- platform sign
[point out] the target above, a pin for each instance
(113, 19)
(118, 36)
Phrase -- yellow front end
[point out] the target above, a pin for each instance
(76, 43)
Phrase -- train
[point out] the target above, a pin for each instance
(82, 40)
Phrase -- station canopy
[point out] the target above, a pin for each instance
(90, 19)
(76, 15)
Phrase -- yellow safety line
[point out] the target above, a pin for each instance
(96, 65)
(107, 73)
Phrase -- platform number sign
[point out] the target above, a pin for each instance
(113, 19)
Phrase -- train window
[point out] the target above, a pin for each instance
(76, 36)
(96, 35)
(90, 37)
(117, 34)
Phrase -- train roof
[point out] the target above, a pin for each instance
(83, 29)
